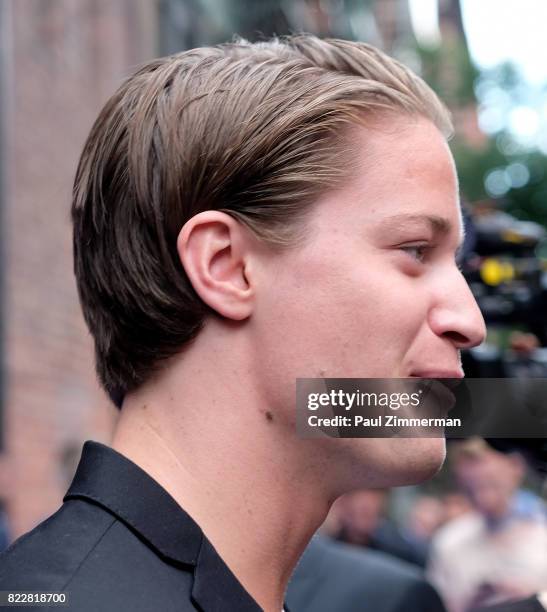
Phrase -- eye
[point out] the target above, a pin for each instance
(418, 252)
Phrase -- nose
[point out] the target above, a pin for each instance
(456, 314)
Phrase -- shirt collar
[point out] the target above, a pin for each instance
(108, 479)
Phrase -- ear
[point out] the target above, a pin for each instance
(215, 250)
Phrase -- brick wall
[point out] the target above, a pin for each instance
(65, 58)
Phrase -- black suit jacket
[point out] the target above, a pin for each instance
(121, 543)
(336, 577)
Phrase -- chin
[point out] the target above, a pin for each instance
(392, 462)
(424, 459)
(410, 461)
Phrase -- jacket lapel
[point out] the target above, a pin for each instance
(215, 587)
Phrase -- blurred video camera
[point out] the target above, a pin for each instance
(504, 261)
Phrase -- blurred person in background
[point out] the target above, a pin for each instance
(363, 522)
(425, 517)
(499, 551)
(535, 453)
(455, 504)
(245, 215)
(522, 357)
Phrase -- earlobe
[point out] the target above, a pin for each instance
(215, 253)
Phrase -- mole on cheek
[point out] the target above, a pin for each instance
(269, 416)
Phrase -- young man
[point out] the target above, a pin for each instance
(245, 215)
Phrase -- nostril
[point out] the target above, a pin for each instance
(456, 337)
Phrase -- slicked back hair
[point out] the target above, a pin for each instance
(258, 131)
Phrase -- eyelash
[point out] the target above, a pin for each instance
(423, 248)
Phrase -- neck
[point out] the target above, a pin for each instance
(237, 471)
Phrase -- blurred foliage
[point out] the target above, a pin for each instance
(192, 23)
(473, 166)
(452, 74)
(528, 202)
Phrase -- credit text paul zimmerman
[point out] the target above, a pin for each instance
(385, 420)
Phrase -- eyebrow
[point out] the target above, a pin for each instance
(438, 225)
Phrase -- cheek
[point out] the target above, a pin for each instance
(376, 307)
(330, 316)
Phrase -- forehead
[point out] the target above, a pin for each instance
(401, 184)
(406, 152)
(402, 172)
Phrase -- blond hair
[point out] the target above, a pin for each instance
(256, 130)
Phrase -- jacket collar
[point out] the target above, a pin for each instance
(110, 480)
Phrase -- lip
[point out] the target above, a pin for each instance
(457, 373)
(449, 378)
(441, 396)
